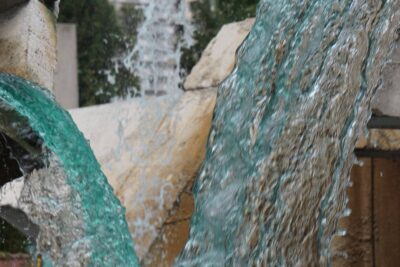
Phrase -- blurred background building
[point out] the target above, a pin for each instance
(66, 85)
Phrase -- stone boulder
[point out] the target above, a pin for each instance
(386, 101)
(218, 59)
(150, 149)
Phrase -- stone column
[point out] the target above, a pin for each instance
(28, 41)
(28, 50)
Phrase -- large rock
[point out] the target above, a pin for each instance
(28, 41)
(150, 149)
(218, 59)
(387, 100)
(380, 139)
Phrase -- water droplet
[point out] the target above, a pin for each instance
(358, 162)
(342, 232)
(347, 212)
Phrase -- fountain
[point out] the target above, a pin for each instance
(52, 188)
(157, 54)
(65, 194)
(272, 188)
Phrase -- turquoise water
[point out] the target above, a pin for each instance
(273, 185)
(105, 229)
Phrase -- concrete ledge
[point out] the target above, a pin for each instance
(28, 42)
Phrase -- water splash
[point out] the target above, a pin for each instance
(157, 55)
(273, 185)
(81, 221)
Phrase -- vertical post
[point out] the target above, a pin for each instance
(28, 41)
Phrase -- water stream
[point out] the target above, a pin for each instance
(65, 193)
(157, 55)
(273, 185)
(272, 188)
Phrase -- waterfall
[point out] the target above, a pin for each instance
(157, 54)
(273, 185)
(65, 194)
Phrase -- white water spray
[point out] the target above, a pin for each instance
(156, 57)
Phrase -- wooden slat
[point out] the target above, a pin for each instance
(387, 212)
(358, 241)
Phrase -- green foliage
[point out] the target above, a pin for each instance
(102, 40)
(209, 17)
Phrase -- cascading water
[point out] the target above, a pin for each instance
(81, 222)
(157, 54)
(156, 61)
(272, 188)
(273, 185)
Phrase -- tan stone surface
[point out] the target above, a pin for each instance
(387, 99)
(218, 59)
(162, 146)
(28, 43)
(174, 232)
(380, 139)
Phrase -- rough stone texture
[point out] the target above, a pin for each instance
(387, 100)
(28, 43)
(174, 232)
(150, 150)
(380, 139)
(66, 88)
(59, 240)
(218, 59)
